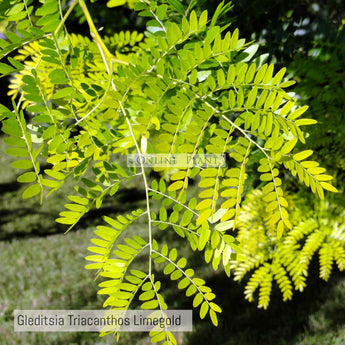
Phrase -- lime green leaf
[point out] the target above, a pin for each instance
(150, 305)
(169, 268)
(6, 69)
(173, 34)
(22, 164)
(329, 187)
(115, 3)
(214, 318)
(55, 174)
(203, 310)
(224, 225)
(159, 337)
(204, 237)
(17, 152)
(204, 204)
(288, 146)
(15, 9)
(50, 6)
(182, 263)
(79, 200)
(173, 254)
(31, 191)
(173, 218)
(197, 300)
(279, 76)
(193, 20)
(323, 177)
(175, 186)
(58, 76)
(215, 307)
(191, 290)
(287, 83)
(15, 141)
(305, 122)
(164, 250)
(280, 229)
(114, 189)
(161, 11)
(178, 175)
(68, 221)
(67, 92)
(183, 283)
(147, 295)
(12, 127)
(176, 275)
(27, 177)
(75, 207)
(203, 19)
(302, 155)
(49, 132)
(297, 113)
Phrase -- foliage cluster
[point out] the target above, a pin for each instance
(186, 86)
(316, 228)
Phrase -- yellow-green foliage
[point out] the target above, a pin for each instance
(86, 69)
(188, 86)
(286, 260)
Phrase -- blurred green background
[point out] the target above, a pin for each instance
(43, 268)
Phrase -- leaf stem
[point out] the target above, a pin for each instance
(66, 16)
(97, 38)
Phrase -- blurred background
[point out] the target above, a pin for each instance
(43, 268)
